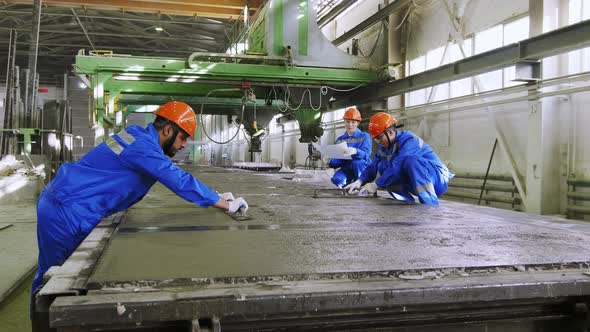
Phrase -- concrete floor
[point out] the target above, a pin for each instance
(14, 311)
(18, 245)
(291, 233)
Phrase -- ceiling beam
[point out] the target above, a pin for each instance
(569, 38)
(113, 47)
(120, 16)
(122, 35)
(83, 28)
(337, 10)
(377, 17)
(234, 4)
(184, 8)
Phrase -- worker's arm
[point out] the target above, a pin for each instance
(222, 204)
(363, 151)
(370, 173)
(154, 163)
(335, 163)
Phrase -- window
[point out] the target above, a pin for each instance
(464, 86)
(579, 60)
(487, 40)
(416, 66)
(434, 58)
(514, 32)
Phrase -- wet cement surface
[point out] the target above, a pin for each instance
(291, 233)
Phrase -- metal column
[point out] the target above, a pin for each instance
(33, 50)
(543, 135)
(395, 54)
(10, 100)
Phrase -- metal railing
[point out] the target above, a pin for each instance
(467, 188)
(578, 194)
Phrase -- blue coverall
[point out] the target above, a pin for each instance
(351, 169)
(409, 166)
(110, 178)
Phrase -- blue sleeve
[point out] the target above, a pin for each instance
(370, 172)
(364, 150)
(392, 173)
(156, 165)
(335, 163)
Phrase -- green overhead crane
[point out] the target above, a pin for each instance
(289, 68)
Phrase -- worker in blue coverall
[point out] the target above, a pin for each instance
(406, 164)
(115, 175)
(359, 148)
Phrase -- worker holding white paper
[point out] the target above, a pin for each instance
(356, 155)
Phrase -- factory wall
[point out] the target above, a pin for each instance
(464, 139)
(282, 143)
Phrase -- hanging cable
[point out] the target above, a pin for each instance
(404, 18)
(341, 90)
(203, 123)
(323, 91)
(376, 42)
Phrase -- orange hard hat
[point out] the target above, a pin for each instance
(379, 123)
(352, 114)
(181, 114)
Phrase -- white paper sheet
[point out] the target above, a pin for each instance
(333, 151)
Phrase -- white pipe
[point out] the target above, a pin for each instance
(499, 102)
(568, 79)
(574, 135)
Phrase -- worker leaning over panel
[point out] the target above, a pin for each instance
(115, 175)
(359, 148)
(406, 164)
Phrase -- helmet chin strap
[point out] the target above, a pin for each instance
(388, 139)
(168, 144)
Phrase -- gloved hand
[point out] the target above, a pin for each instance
(227, 196)
(350, 151)
(236, 204)
(368, 189)
(356, 185)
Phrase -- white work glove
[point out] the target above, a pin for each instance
(237, 204)
(227, 196)
(356, 185)
(368, 189)
(350, 151)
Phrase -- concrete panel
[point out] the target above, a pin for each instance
(291, 233)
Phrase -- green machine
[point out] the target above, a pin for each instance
(289, 67)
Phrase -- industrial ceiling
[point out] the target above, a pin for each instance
(155, 28)
(143, 27)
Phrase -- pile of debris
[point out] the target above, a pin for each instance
(9, 165)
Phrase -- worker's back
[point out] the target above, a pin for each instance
(102, 182)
